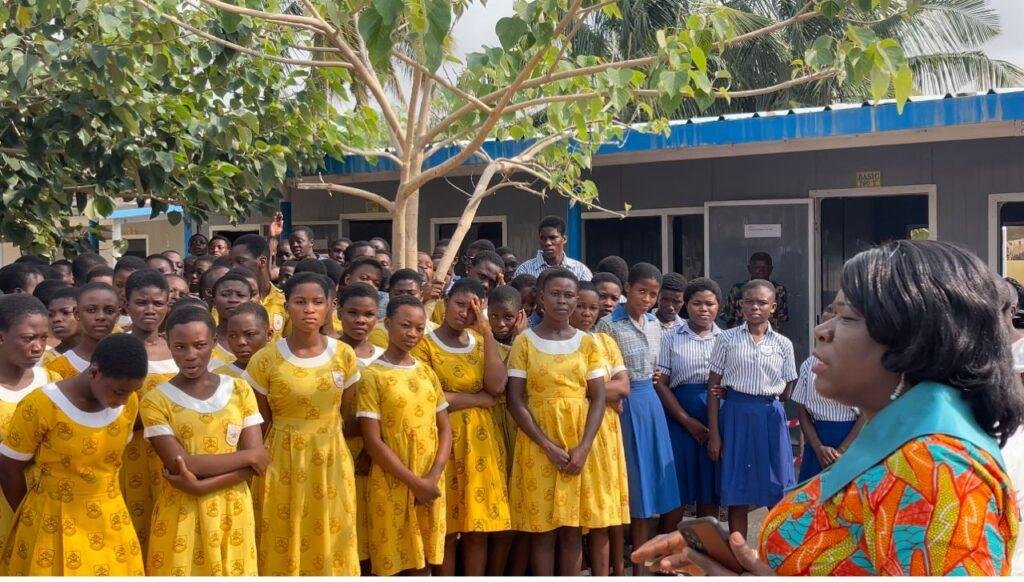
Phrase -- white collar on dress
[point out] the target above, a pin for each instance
(469, 345)
(220, 398)
(90, 419)
(314, 362)
(556, 347)
(39, 378)
(163, 367)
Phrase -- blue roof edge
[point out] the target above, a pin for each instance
(822, 122)
(145, 211)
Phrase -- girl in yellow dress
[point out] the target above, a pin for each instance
(73, 520)
(63, 325)
(607, 544)
(146, 303)
(206, 430)
(23, 331)
(557, 395)
(98, 310)
(230, 291)
(357, 309)
(306, 502)
(248, 332)
(463, 353)
(409, 447)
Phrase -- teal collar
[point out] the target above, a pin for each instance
(928, 408)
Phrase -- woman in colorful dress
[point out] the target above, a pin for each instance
(98, 310)
(357, 309)
(685, 362)
(463, 353)
(73, 520)
(607, 544)
(146, 303)
(306, 501)
(409, 447)
(556, 394)
(918, 345)
(206, 431)
(23, 331)
(653, 490)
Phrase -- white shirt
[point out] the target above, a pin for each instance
(759, 369)
(819, 407)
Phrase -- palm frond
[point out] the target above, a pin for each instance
(940, 73)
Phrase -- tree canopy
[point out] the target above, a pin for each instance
(208, 104)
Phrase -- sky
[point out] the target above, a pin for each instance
(477, 28)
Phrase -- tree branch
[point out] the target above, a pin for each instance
(350, 190)
(371, 154)
(442, 81)
(803, 14)
(239, 48)
(269, 16)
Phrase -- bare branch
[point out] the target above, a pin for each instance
(371, 153)
(350, 190)
(239, 48)
(820, 75)
(803, 14)
(442, 81)
(270, 16)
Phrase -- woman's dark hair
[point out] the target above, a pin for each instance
(615, 265)
(935, 308)
(758, 284)
(130, 263)
(380, 239)
(83, 264)
(251, 308)
(673, 282)
(361, 290)
(15, 276)
(351, 266)
(44, 291)
(522, 281)
(1018, 318)
(350, 250)
(557, 273)
(100, 271)
(400, 301)
(505, 295)
(190, 314)
(586, 286)
(467, 285)
(121, 355)
(18, 306)
(310, 265)
(304, 279)
(143, 279)
(406, 275)
(333, 269)
(699, 285)
(237, 277)
(605, 277)
(65, 293)
(643, 271)
(90, 287)
(485, 256)
(189, 301)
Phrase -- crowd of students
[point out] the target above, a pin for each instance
(253, 408)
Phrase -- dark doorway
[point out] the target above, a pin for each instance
(635, 239)
(851, 225)
(367, 229)
(232, 235)
(492, 231)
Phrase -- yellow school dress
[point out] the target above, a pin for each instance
(277, 310)
(306, 502)
(404, 534)
(355, 447)
(73, 521)
(503, 418)
(542, 497)
(49, 355)
(141, 468)
(611, 456)
(231, 369)
(9, 400)
(476, 490)
(220, 357)
(212, 535)
(378, 336)
(67, 365)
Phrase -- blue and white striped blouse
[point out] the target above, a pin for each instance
(759, 369)
(686, 356)
(819, 407)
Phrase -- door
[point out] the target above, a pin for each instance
(367, 229)
(636, 239)
(736, 230)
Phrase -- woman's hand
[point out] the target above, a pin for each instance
(697, 430)
(480, 324)
(668, 553)
(715, 447)
(719, 392)
(558, 456)
(363, 464)
(826, 455)
(426, 490)
(577, 458)
(184, 480)
(259, 460)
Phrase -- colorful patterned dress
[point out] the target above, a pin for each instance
(306, 501)
(476, 492)
(212, 535)
(73, 521)
(404, 534)
(9, 400)
(938, 504)
(141, 471)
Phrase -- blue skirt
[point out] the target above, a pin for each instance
(695, 471)
(757, 457)
(650, 465)
(832, 434)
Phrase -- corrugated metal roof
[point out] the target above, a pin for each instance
(841, 119)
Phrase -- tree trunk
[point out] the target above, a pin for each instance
(407, 259)
(398, 231)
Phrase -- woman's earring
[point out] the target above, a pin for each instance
(899, 388)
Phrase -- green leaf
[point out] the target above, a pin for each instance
(879, 84)
(166, 161)
(439, 21)
(700, 60)
(174, 217)
(23, 16)
(509, 30)
(830, 8)
(98, 54)
(108, 22)
(902, 85)
(376, 32)
(24, 70)
(821, 54)
(230, 21)
(389, 10)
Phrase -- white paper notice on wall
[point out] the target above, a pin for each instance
(762, 231)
